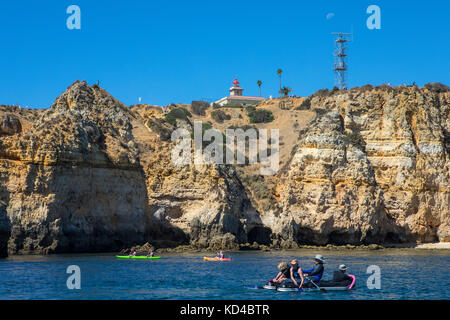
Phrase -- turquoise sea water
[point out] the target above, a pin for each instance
(405, 274)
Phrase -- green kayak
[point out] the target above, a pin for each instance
(136, 257)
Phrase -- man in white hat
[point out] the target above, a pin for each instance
(316, 272)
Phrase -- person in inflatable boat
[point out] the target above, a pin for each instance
(283, 274)
(316, 272)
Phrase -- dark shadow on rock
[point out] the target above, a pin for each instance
(5, 231)
(305, 236)
(5, 224)
(162, 234)
(93, 210)
(260, 235)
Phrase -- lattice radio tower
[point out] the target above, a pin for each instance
(340, 59)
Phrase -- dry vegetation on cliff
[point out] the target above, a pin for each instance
(367, 165)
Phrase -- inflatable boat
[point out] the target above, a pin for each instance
(288, 286)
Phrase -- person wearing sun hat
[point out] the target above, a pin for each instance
(316, 272)
(340, 275)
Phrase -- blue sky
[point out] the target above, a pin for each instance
(179, 51)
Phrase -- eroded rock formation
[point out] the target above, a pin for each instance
(73, 182)
(91, 174)
(373, 167)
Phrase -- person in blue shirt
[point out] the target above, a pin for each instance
(316, 272)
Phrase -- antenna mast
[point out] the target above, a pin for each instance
(340, 59)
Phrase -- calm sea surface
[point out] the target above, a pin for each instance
(405, 274)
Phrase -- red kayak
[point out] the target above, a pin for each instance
(216, 259)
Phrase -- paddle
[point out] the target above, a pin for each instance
(321, 289)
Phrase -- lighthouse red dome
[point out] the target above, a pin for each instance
(236, 82)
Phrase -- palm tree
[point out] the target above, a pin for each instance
(259, 83)
(279, 72)
(285, 91)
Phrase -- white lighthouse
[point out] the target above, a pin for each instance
(236, 90)
(236, 99)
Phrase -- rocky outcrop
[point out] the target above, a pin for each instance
(9, 125)
(373, 167)
(73, 182)
(331, 194)
(207, 202)
(90, 174)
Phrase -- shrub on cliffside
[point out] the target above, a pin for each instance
(250, 109)
(199, 107)
(177, 113)
(219, 116)
(325, 92)
(305, 105)
(320, 93)
(160, 127)
(437, 87)
(257, 185)
(260, 116)
(367, 87)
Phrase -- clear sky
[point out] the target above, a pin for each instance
(179, 51)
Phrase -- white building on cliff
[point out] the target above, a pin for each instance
(236, 98)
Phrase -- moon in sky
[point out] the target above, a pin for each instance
(330, 15)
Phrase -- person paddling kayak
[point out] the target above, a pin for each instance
(316, 272)
(220, 255)
(150, 253)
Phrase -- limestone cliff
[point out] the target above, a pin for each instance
(207, 202)
(73, 181)
(91, 174)
(373, 167)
